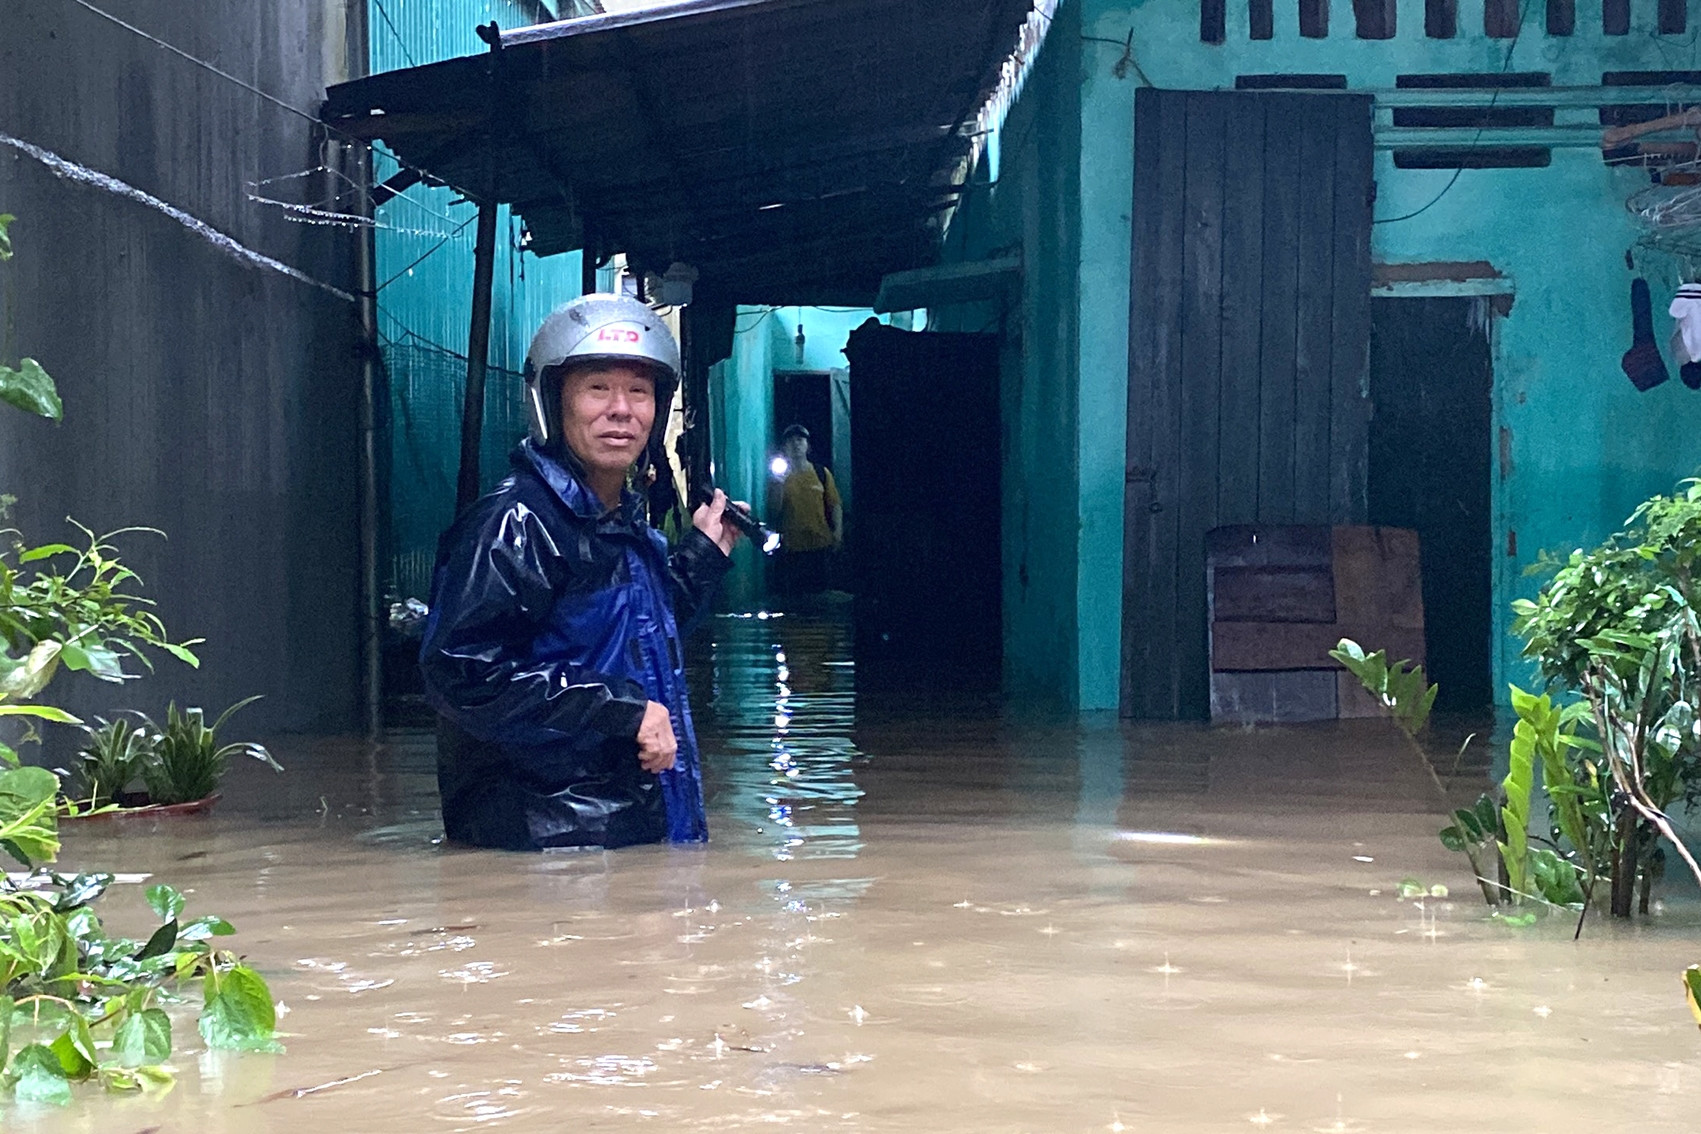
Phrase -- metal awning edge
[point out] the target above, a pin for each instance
(945, 284)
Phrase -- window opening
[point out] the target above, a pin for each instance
(1561, 17)
(1615, 17)
(1375, 19)
(1261, 19)
(1441, 18)
(1213, 21)
(1314, 19)
(1290, 83)
(1500, 18)
(1486, 116)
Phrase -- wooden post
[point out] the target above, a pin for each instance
(478, 355)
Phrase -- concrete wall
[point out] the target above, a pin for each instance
(1584, 446)
(205, 397)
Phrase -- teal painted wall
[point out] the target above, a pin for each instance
(1585, 447)
(741, 390)
(424, 259)
(1034, 206)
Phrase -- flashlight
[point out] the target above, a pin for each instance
(755, 530)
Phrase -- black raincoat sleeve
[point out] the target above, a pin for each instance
(694, 570)
(493, 595)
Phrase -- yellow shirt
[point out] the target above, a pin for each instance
(805, 498)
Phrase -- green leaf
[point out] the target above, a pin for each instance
(143, 1039)
(39, 712)
(1487, 815)
(1452, 840)
(1692, 990)
(1519, 921)
(80, 891)
(161, 943)
(238, 1014)
(5, 1030)
(46, 550)
(165, 902)
(97, 661)
(40, 1077)
(181, 653)
(1469, 825)
(75, 1049)
(31, 390)
(204, 927)
(22, 680)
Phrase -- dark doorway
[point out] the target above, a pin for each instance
(1431, 383)
(805, 397)
(928, 554)
(1248, 341)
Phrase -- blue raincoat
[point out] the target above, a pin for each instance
(553, 621)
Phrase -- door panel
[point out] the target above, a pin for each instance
(1248, 349)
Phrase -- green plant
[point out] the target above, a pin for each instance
(78, 1004)
(188, 760)
(27, 386)
(1618, 626)
(1494, 833)
(72, 607)
(115, 755)
(1400, 686)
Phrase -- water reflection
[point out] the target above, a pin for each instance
(784, 692)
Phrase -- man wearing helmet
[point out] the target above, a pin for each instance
(552, 652)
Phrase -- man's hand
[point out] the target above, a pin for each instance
(708, 520)
(657, 746)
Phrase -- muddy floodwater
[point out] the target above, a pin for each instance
(909, 919)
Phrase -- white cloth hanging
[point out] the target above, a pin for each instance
(1686, 309)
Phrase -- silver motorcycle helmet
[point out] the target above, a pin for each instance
(595, 328)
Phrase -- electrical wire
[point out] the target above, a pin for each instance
(391, 24)
(1505, 66)
(266, 95)
(423, 256)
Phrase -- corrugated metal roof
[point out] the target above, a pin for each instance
(794, 151)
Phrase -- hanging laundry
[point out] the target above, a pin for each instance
(1642, 362)
(1686, 338)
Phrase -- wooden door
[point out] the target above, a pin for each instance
(925, 435)
(1249, 336)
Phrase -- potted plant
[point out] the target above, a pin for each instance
(179, 764)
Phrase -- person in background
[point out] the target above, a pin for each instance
(808, 515)
(552, 650)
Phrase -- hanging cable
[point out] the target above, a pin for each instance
(266, 95)
(424, 255)
(391, 24)
(1505, 66)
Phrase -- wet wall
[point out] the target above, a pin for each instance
(203, 396)
(1582, 447)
